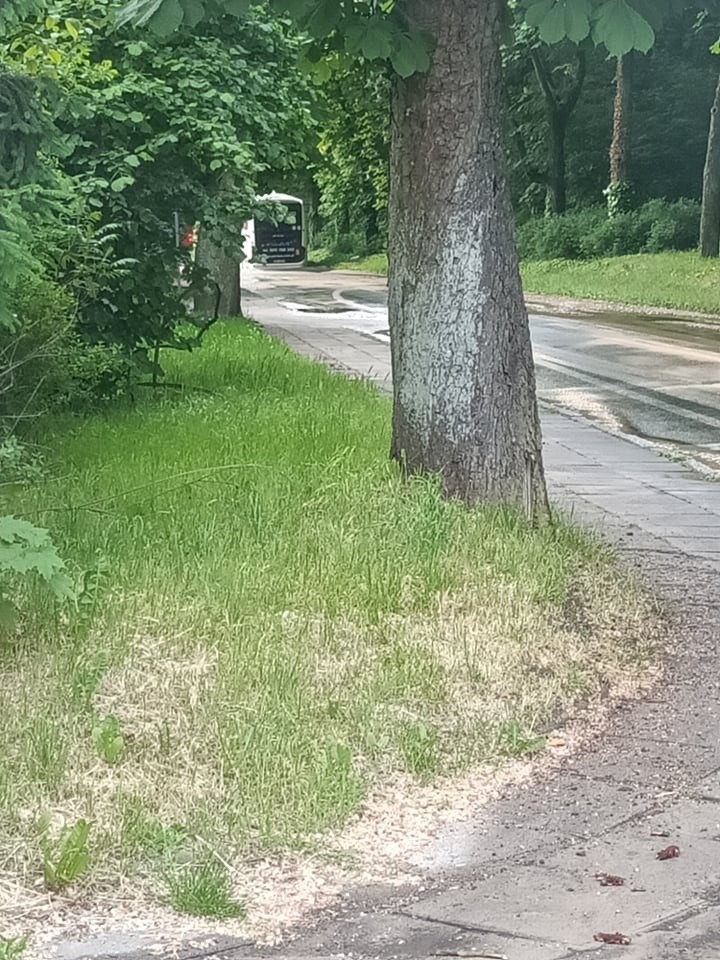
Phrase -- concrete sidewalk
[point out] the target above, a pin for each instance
(520, 882)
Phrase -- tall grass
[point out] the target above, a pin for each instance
(270, 620)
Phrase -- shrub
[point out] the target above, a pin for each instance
(654, 227)
(45, 363)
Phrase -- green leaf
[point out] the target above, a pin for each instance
(120, 183)
(622, 29)
(135, 49)
(552, 28)
(410, 55)
(577, 19)
(371, 37)
(537, 12)
(167, 18)
(132, 160)
(323, 19)
(194, 11)
(136, 117)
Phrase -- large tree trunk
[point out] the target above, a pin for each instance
(464, 382)
(224, 274)
(710, 219)
(619, 190)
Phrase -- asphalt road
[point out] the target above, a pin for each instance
(655, 379)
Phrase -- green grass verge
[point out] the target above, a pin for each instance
(270, 622)
(376, 263)
(680, 281)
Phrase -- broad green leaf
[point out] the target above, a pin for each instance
(323, 19)
(410, 56)
(119, 184)
(135, 116)
(13, 530)
(577, 19)
(194, 11)
(552, 28)
(537, 11)
(371, 37)
(167, 18)
(622, 29)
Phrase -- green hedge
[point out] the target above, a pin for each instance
(587, 234)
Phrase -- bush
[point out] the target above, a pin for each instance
(654, 227)
(44, 363)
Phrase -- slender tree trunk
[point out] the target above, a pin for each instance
(557, 167)
(710, 219)
(464, 381)
(223, 271)
(559, 106)
(621, 144)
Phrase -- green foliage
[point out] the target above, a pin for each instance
(108, 739)
(365, 28)
(65, 858)
(352, 174)
(13, 948)
(188, 126)
(620, 198)
(202, 890)
(588, 234)
(18, 462)
(25, 548)
(618, 25)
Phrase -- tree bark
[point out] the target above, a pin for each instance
(621, 144)
(224, 271)
(710, 218)
(464, 382)
(559, 107)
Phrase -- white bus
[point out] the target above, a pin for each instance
(278, 244)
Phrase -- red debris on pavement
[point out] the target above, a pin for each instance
(618, 938)
(669, 853)
(609, 880)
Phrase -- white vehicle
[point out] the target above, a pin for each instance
(278, 244)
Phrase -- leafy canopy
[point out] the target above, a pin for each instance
(383, 30)
(618, 25)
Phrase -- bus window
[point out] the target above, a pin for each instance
(281, 242)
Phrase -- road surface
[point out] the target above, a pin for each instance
(654, 380)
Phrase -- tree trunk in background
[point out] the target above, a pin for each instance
(559, 106)
(557, 165)
(463, 375)
(621, 144)
(710, 219)
(225, 272)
